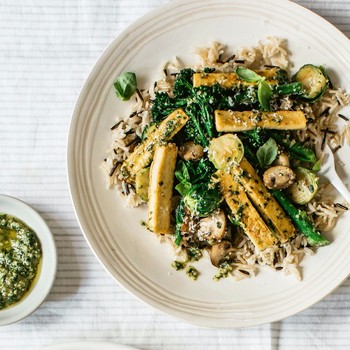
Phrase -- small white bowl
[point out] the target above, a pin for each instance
(48, 265)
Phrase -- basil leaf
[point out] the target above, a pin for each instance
(183, 187)
(181, 171)
(267, 153)
(125, 85)
(183, 176)
(264, 95)
(248, 75)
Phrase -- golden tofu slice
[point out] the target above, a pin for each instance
(235, 121)
(229, 80)
(243, 210)
(161, 187)
(143, 153)
(263, 200)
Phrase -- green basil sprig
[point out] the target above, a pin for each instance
(125, 85)
(183, 176)
(264, 89)
(267, 153)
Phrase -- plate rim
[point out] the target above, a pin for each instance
(82, 344)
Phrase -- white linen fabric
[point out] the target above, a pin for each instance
(47, 51)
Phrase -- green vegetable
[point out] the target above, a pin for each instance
(125, 85)
(301, 220)
(195, 101)
(201, 171)
(296, 150)
(289, 89)
(207, 97)
(248, 75)
(298, 216)
(183, 176)
(203, 198)
(163, 105)
(225, 151)
(256, 137)
(264, 89)
(183, 85)
(304, 188)
(190, 173)
(264, 95)
(314, 80)
(267, 153)
(282, 76)
(179, 215)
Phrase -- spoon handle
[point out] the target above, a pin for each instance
(339, 185)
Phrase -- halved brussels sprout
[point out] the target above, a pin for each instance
(304, 187)
(314, 80)
(202, 199)
(225, 151)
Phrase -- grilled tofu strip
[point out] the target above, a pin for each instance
(143, 153)
(235, 121)
(243, 210)
(263, 200)
(229, 80)
(161, 187)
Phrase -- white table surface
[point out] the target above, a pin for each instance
(47, 49)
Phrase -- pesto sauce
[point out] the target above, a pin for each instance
(20, 254)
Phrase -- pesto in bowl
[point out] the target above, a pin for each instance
(20, 254)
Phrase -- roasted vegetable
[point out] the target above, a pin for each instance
(301, 220)
(298, 216)
(212, 228)
(304, 187)
(314, 80)
(225, 151)
(295, 88)
(220, 252)
(278, 177)
(203, 199)
(295, 149)
(190, 151)
(163, 105)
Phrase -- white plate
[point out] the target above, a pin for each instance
(89, 345)
(132, 254)
(48, 266)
